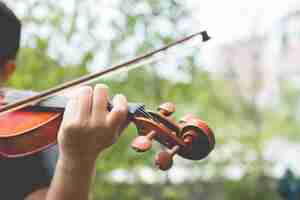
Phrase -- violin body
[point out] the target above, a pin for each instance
(26, 132)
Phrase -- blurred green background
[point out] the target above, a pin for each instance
(248, 93)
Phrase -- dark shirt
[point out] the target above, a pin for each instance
(19, 177)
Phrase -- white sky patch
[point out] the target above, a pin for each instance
(284, 154)
(231, 20)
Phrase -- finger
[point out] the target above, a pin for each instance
(70, 111)
(100, 101)
(70, 92)
(118, 115)
(77, 109)
(84, 99)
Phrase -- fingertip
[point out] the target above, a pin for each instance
(100, 100)
(119, 98)
(120, 102)
(85, 90)
(69, 109)
(101, 90)
(101, 86)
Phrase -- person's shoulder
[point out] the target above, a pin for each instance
(24, 175)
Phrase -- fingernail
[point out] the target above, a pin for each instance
(86, 89)
(100, 85)
(117, 98)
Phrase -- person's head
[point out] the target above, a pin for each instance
(10, 34)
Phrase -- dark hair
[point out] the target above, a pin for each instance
(10, 33)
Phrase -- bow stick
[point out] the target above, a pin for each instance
(48, 93)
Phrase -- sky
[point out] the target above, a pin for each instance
(227, 21)
(233, 19)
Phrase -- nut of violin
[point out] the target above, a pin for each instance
(163, 160)
(141, 143)
(166, 109)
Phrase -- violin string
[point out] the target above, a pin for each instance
(16, 96)
(145, 113)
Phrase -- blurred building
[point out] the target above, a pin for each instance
(279, 47)
(289, 44)
(258, 62)
(243, 62)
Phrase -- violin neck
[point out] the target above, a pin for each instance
(52, 103)
(58, 103)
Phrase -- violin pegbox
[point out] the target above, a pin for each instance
(191, 138)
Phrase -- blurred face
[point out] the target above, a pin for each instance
(6, 70)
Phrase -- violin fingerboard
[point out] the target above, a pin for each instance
(54, 102)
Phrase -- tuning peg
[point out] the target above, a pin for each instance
(164, 159)
(143, 143)
(166, 109)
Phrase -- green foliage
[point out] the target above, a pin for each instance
(235, 119)
(251, 187)
(36, 71)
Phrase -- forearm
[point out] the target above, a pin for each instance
(72, 180)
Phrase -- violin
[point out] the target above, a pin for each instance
(29, 122)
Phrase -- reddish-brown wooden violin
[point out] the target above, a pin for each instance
(29, 122)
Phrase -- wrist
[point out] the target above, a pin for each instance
(76, 163)
(77, 155)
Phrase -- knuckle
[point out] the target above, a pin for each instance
(97, 124)
(74, 126)
(121, 110)
(101, 126)
(68, 128)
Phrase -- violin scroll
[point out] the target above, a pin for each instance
(191, 138)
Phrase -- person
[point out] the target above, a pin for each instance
(289, 186)
(86, 131)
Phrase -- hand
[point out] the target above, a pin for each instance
(87, 127)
